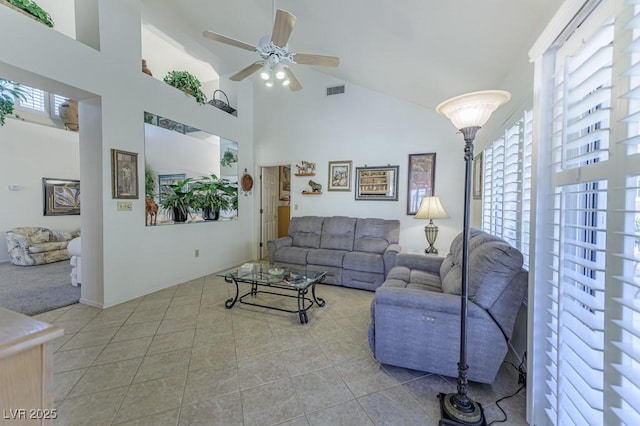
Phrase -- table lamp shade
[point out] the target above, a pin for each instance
(431, 208)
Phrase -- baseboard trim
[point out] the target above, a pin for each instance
(91, 303)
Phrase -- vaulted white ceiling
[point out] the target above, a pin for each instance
(422, 51)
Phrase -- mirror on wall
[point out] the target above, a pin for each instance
(190, 175)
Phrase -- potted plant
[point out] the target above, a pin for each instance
(186, 82)
(149, 181)
(228, 158)
(9, 92)
(178, 198)
(32, 9)
(213, 194)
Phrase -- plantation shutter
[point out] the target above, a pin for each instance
(626, 302)
(576, 211)
(35, 99)
(526, 170)
(487, 188)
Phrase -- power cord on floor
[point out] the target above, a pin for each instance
(522, 381)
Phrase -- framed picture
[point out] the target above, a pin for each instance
(377, 183)
(164, 180)
(477, 177)
(124, 174)
(284, 183)
(422, 176)
(61, 197)
(339, 176)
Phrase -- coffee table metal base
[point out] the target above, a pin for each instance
(304, 302)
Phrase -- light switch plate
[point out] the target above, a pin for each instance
(125, 206)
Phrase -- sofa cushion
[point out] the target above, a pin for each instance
(296, 255)
(326, 257)
(41, 248)
(40, 237)
(338, 232)
(305, 231)
(375, 235)
(365, 262)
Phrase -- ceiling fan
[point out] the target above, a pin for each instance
(275, 56)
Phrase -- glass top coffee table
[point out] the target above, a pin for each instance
(301, 281)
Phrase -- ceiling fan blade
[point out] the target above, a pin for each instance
(294, 84)
(246, 72)
(282, 28)
(228, 40)
(319, 60)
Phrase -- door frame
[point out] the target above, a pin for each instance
(260, 209)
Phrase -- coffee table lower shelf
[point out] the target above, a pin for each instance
(304, 302)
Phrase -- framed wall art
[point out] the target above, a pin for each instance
(61, 197)
(284, 183)
(477, 176)
(339, 176)
(124, 174)
(377, 183)
(421, 181)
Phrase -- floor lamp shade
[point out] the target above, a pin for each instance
(467, 113)
(431, 208)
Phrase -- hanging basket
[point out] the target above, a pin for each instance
(223, 105)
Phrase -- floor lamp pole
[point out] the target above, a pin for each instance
(457, 408)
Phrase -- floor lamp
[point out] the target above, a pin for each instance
(468, 113)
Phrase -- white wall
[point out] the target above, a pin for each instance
(368, 128)
(122, 258)
(169, 152)
(28, 153)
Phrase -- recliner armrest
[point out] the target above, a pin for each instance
(421, 262)
(427, 301)
(389, 257)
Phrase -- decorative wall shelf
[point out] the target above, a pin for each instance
(305, 174)
(311, 193)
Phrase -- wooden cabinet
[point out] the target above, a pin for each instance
(374, 182)
(26, 369)
(284, 215)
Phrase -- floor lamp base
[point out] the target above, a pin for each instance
(452, 415)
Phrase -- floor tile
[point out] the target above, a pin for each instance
(209, 383)
(151, 397)
(171, 341)
(349, 413)
(96, 409)
(121, 350)
(166, 418)
(224, 410)
(62, 383)
(135, 331)
(163, 365)
(364, 376)
(271, 403)
(107, 376)
(90, 338)
(75, 358)
(395, 406)
(321, 389)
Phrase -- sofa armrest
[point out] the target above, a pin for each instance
(277, 244)
(421, 262)
(389, 257)
(17, 240)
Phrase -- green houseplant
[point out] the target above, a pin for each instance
(9, 92)
(186, 82)
(213, 194)
(149, 182)
(228, 158)
(32, 8)
(178, 198)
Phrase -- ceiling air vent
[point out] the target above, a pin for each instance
(335, 90)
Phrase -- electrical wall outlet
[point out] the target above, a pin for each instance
(125, 206)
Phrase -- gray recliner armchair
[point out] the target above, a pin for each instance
(415, 314)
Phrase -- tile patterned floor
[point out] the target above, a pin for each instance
(179, 357)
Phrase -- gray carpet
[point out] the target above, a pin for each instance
(32, 290)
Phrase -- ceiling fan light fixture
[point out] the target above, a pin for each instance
(279, 69)
(286, 81)
(269, 83)
(265, 74)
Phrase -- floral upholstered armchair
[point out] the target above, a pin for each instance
(30, 246)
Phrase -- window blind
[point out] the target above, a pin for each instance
(576, 210)
(35, 99)
(626, 303)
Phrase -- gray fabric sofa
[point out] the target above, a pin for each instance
(355, 252)
(415, 314)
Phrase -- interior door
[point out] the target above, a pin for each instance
(269, 207)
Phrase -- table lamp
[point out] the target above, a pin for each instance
(431, 208)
